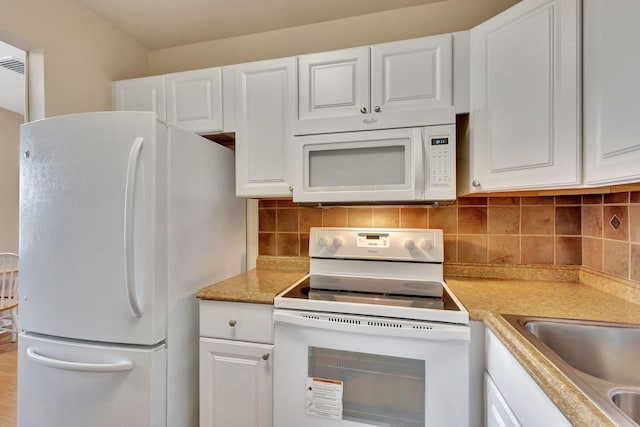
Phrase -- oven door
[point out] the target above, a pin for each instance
(345, 370)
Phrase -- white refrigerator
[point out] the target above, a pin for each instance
(122, 219)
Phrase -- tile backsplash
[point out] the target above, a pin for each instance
(597, 231)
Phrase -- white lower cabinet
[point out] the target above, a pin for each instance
(498, 413)
(236, 375)
(512, 397)
(235, 383)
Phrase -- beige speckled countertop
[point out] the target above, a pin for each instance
(595, 297)
(487, 292)
(259, 285)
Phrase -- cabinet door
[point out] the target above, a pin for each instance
(265, 109)
(528, 402)
(194, 100)
(235, 384)
(525, 98)
(333, 84)
(413, 79)
(497, 411)
(611, 91)
(333, 90)
(143, 94)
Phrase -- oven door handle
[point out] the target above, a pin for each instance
(374, 326)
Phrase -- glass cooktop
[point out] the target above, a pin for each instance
(305, 291)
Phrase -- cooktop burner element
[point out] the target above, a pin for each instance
(376, 272)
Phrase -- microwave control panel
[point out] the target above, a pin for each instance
(439, 160)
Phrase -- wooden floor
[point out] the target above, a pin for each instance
(8, 380)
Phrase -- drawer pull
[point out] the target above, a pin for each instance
(232, 323)
(265, 356)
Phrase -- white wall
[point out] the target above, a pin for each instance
(80, 54)
(434, 18)
(9, 179)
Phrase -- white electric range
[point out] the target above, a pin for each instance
(372, 336)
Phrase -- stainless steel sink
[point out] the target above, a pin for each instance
(602, 359)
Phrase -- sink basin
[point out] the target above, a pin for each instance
(610, 352)
(602, 359)
(629, 403)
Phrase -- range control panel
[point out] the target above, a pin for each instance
(395, 244)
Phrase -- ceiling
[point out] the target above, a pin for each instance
(159, 24)
(12, 89)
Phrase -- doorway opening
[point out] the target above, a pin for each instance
(12, 115)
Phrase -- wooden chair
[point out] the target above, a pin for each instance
(9, 294)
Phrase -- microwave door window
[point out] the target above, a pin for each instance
(358, 168)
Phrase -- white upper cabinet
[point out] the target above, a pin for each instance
(611, 91)
(333, 84)
(399, 84)
(194, 100)
(265, 110)
(142, 94)
(413, 77)
(525, 99)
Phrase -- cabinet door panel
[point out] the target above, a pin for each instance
(194, 100)
(143, 94)
(611, 91)
(528, 402)
(497, 411)
(525, 93)
(235, 384)
(412, 74)
(333, 84)
(265, 109)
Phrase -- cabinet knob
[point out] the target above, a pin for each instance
(265, 356)
(476, 183)
(232, 323)
(363, 110)
(291, 189)
(377, 109)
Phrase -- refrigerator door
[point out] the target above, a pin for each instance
(76, 384)
(93, 227)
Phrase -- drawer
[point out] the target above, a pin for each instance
(236, 321)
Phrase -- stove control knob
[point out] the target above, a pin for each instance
(337, 242)
(322, 242)
(426, 245)
(409, 244)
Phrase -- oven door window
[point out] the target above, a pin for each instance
(376, 390)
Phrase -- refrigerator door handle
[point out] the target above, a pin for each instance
(134, 154)
(79, 366)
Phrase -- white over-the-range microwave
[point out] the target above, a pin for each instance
(391, 166)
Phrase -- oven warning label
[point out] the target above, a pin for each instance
(324, 398)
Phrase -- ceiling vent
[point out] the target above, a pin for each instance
(13, 64)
